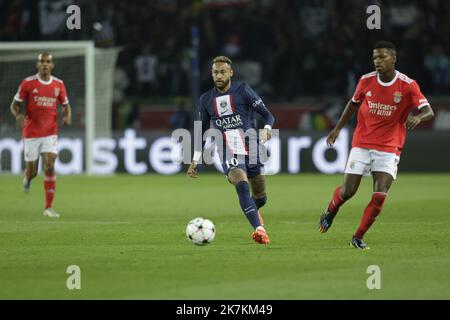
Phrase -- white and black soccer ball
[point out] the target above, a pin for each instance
(200, 231)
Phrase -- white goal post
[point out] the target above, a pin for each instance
(94, 82)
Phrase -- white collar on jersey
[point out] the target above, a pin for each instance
(387, 84)
(42, 81)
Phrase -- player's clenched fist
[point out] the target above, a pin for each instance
(192, 171)
(331, 138)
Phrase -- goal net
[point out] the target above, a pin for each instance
(88, 74)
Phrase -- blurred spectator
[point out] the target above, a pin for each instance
(52, 17)
(146, 72)
(403, 14)
(17, 18)
(132, 120)
(121, 82)
(181, 118)
(168, 69)
(303, 47)
(103, 29)
(437, 64)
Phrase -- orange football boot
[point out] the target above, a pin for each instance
(260, 236)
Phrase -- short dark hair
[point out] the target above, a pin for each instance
(385, 45)
(222, 59)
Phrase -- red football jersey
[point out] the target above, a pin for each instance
(40, 105)
(383, 111)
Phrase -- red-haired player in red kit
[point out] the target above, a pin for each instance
(385, 99)
(39, 94)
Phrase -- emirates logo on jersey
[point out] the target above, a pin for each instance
(381, 109)
(56, 92)
(44, 101)
(397, 96)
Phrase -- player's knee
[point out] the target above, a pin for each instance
(236, 175)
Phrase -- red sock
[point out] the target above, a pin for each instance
(336, 202)
(373, 209)
(50, 188)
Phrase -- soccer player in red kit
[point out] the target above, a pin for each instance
(385, 100)
(39, 95)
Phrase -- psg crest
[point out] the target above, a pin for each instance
(397, 96)
(224, 106)
(56, 92)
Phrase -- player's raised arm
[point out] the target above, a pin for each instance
(349, 110)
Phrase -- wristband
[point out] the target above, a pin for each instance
(197, 156)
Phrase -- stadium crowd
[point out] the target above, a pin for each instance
(282, 48)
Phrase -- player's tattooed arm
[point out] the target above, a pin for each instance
(426, 113)
(349, 110)
(67, 114)
(15, 110)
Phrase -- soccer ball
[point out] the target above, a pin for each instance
(200, 231)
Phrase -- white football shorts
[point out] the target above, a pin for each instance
(33, 147)
(365, 161)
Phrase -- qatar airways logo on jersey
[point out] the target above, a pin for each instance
(229, 122)
(381, 109)
(44, 101)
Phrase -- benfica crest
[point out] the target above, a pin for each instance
(397, 96)
(57, 92)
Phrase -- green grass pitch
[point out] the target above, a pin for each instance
(127, 235)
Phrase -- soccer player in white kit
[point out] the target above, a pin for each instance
(35, 109)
